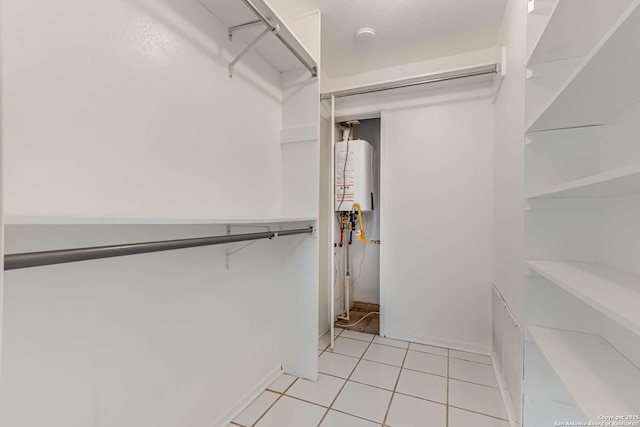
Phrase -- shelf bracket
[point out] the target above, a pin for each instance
(250, 45)
(227, 257)
(242, 27)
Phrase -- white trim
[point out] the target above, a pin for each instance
(504, 394)
(439, 342)
(382, 187)
(246, 400)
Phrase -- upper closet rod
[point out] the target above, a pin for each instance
(313, 68)
(432, 78)
(37, 259)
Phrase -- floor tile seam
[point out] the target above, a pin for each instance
(430, 354)
(395, 387)
(425, 372)
(382, 363)
(478, 413)
(347, 380)
(401, 393)
(392, 346)
(268, 409)
(342, 354)
(306, 401)
(473, 361)
(474, 383)
(323, 417)
(356, 416)
(427, 352)
(374, 386)
(280, 394)
(360, 339)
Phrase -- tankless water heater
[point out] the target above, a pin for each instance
(353, 184)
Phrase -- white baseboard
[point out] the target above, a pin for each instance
(438, 342)
(506, 399)
(324, 331)
(240, 406)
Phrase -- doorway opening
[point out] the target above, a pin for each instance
(356, 249)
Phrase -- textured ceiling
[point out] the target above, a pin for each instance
(406, 31)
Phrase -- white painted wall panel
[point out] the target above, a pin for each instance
(508, 248)
(160, 339)
(436, 202)
(128, 110)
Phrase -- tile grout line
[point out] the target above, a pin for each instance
(275, 401)
(478, 413)
(393, 393)
(416, 370)
(345, 383)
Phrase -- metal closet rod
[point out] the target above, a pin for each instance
(433, 78)
(37, 259)
(313, 68)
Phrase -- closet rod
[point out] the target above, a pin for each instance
(431, 78)
(312, 67)
(37, 259)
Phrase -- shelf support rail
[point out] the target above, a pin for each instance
(312, 67)
(227, 257)
(249, 46)
(37, 259)
(242, 27)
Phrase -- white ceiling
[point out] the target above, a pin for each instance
(406, 31)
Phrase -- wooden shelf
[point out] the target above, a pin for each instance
(598, 377)
(612, 292)
(70, 220)
(232, 13)
(623, 180)
(588, 24)
(604, 85)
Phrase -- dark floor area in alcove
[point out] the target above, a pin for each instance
(370, 325)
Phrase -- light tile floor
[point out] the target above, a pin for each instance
(368, 381)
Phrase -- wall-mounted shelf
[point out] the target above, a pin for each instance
(588, 24)
(623, 180)
(563, 135)
(598, 90)
(282, 49)
(71, 220)
(612, 292)
(600, 379)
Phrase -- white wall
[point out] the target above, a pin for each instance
(160, 339)
(435, 204)
(508, 247)
(467, 59)
(128, 111)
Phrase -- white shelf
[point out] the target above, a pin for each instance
(598, 377)
(623, 180)
(604, 85)
(588, 133)
(588, 23)
(234, 12)
(71, 220)
(613, 292)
